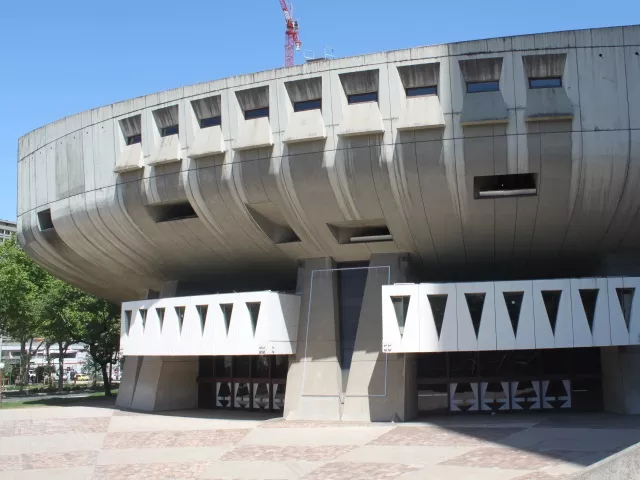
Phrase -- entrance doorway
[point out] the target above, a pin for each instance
(249, 382)
(510, 381)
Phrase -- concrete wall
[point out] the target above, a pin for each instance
(408, 163)
(620, 380)
(159, 383)
(375, 387)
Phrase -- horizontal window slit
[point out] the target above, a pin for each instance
(363, 97)
(170, 130)
(500, 186)
(421, 91)
(256, 113)
(210, 122)
(547, 82)
(478, 87)
(307, 105)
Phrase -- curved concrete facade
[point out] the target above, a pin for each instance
(268, 192)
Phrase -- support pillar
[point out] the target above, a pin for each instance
(159, 383)
(380, 387)
(314, 378)
(620, 379)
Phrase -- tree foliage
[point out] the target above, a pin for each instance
(33, 304)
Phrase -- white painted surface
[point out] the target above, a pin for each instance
(276, 330)
(496, 332)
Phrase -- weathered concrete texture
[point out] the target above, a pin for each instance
(374, 386)
(620, 379)
(377, 389)
(161, 383)
(314, 378)
(405, 161)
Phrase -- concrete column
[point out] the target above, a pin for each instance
(620, 379)
(380, 387)
(314, 378)
(159, 383)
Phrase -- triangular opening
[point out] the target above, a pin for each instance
(143, 316)
(589, 297)
(551, 299)
(160, 312)
(202, 313)
(401, 305)
(438, 306)
(475, 302)
(625, 297)
(254, 311)
(513, 301)
(127, 321)
(227, 310)
(180, 314)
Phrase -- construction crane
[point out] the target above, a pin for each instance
(291, 34)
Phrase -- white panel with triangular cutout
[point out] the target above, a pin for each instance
(617, 320)
(597, 333)
(432, 317)
(476, 325)
(523, 337)
(392, 338)
(276, 328)
(545, 336)
(634, 320)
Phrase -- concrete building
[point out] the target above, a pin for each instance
(7, 229)
(446, 228)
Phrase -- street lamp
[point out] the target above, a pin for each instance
(1, 381)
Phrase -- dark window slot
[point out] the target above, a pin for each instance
(44, 220)
(477, 87)
(363, 97)
(307, 105)
(172, 212)
(498, 186)
(421, 91)
(548, 82)
(256, 113)
(171, 130)
(210, 122)
(133, 139)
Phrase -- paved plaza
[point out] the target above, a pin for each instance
(100, 442)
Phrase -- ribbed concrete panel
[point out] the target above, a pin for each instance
(410, 170)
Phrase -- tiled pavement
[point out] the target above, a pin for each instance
(82, 442)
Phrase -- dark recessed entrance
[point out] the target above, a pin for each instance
(510, 381)
(248, 382)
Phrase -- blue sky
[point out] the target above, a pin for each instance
(62, 57)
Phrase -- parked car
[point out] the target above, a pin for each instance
(82, 378)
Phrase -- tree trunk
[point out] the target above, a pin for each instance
(23, 364)
(106, 380)
(60, 366)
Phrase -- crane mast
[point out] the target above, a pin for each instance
(292, 41)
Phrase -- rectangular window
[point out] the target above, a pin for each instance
(44, 220)
(256, 113)
(307, 105)
(477, 87)
(172, 212)
(133, 139)
(363, 97)
(171, 130)
(498, 186)
(422, 91)
(210, 122)
(548, 82)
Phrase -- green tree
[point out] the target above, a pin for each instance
(100, 331)
(60, 307)
(21, 283)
